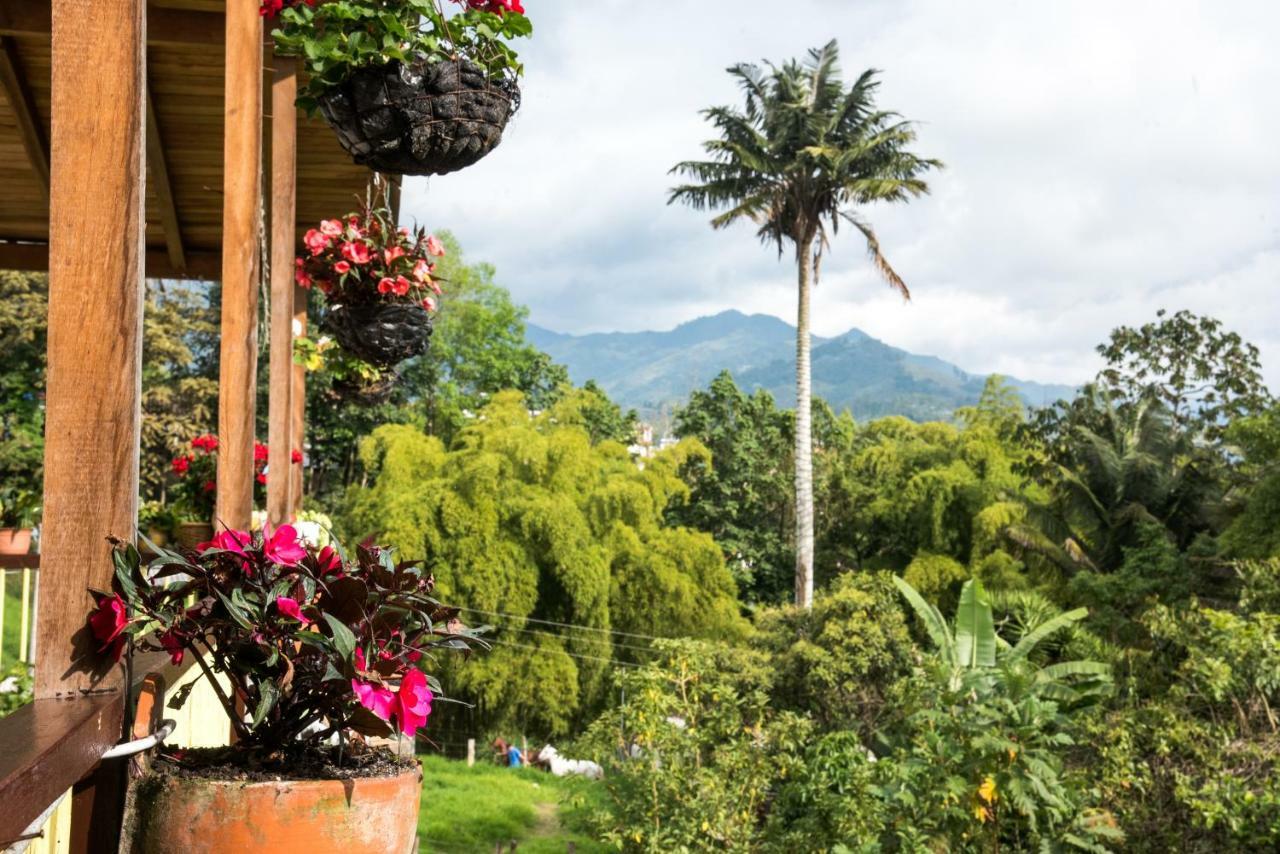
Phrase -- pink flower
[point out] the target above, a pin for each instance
(435, 247)
(315, 241)
(331, 227)
(290, 608)
(422, 270)
(282, 546)
(375, 698)
(413, 701)
(108, 622)
(391, 253)
(342, 268)
(329, 561)
(429, 304)
(356, 253)
(302, 278)
(231, 541)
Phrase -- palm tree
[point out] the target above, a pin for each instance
(796, 160)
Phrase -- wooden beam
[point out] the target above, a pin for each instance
(165, 26)
(158, 167)
(34, 258)
(93, 401)
(23, 107)
(298, 420)
(284, 183)
(241, 206)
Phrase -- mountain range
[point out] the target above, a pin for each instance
(653, 372)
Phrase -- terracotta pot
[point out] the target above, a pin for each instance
(373, 815)
(190, 534)
(15, 541)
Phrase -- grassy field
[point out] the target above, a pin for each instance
(466, 810)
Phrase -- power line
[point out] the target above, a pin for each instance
(546, 651)
(614, 644)
(570, 625)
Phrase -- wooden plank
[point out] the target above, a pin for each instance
(284, 176)
(24, 112)
(93, 413)
(34, 257)
(241, 197)
(298, 431)
(170, 27)
(48, 745)
(157, 163)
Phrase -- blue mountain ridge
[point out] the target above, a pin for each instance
(653, 372)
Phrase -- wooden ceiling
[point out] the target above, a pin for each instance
(184, 140)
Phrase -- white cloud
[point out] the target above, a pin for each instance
(1104, 160)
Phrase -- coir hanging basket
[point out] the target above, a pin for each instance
(382, 334)
(365, 392)
(421, 118)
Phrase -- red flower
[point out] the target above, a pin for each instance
(342, 267)
(172, 643)
(108, 623)
(180, 465)
(402, 285)
(386, 286)
(391, 253)
(302, 278)
(413, 702)
(429, 304)
(329, 561)
(209, 486)
(435, 247)
(295, 456)
(207, 443)
(331, 227)
(316, 241)
(356, 253)
(261, 478)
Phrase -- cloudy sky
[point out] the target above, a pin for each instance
(1104, 160)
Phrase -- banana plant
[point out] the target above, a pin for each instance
(974, 657)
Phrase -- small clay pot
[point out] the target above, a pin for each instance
(15, 541)
(369, 815)
(190, 534)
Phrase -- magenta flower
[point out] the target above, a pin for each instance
(232, 541)
(282, 546)
(413, 702)
(290, 608)
(172, 644)
(381, 701)
(108, 623)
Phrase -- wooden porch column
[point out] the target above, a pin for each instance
(298, 431)
(284, 133)
(241, 217)
(96, 257)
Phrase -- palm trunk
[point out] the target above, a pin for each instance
(804, 439)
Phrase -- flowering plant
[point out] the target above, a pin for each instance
(365, 258)
(312, 644)
(197, 473)
(336, 36)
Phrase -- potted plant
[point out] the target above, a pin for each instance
(196, 490)
(377, 280)
(313, 654)
(409, 90)
(19, 510)
(157, 521)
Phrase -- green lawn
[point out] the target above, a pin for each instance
(468, 810)
(12, 604)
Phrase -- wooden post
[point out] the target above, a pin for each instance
(93, 414)
(299, 431)
(241, 216)
(471, 752)
(284, 127)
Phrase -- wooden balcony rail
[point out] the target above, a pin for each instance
(48, 746)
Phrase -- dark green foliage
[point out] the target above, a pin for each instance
(23, 307)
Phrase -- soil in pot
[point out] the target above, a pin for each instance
(208, 802)
(420, 118)
(15, 541)
(382, 334)
(189, 534)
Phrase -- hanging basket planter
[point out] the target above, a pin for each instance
(364, 392)
(382, 334)
(421, 118)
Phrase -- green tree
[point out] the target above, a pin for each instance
(556, 541)
(24, 300)
(798, 158)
